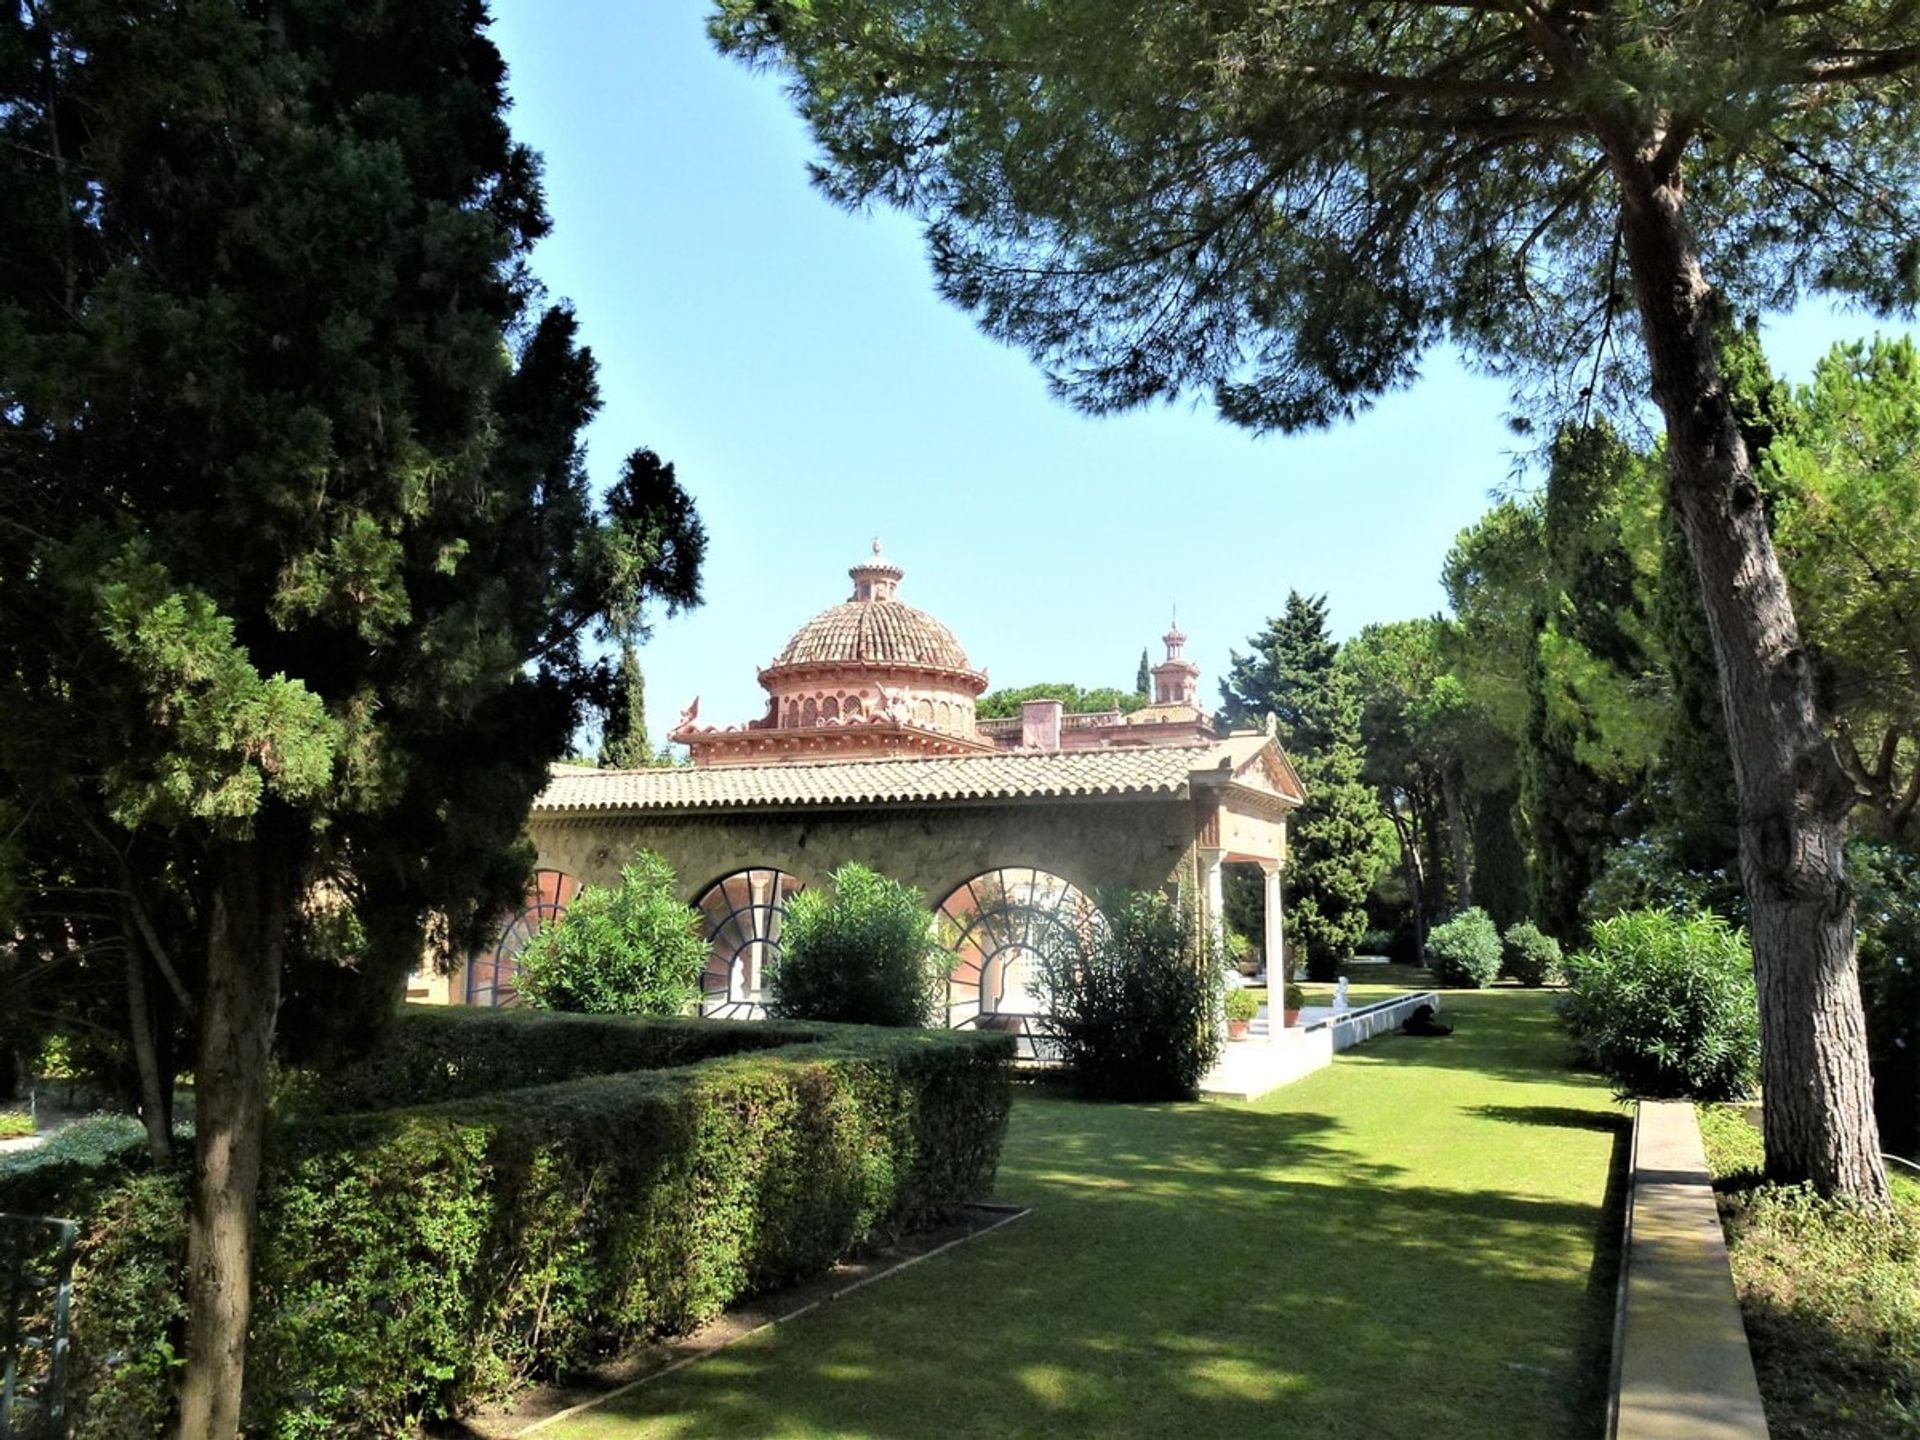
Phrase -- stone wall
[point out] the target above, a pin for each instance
(1089, 843)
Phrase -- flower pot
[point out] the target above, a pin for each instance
(1237, 1029)
(1290, 1017)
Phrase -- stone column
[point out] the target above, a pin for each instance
(1211, 870)
(1276, 933)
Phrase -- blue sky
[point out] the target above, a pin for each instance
(793, 362)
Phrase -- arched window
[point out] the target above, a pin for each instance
(923, 714)
(830, 708)
(998, 925)
(493, 973)
(810, 712)
(853, 709)
(793, 714)
(743, 913)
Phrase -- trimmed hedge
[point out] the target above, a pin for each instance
(412, 1263)
(432, 1053)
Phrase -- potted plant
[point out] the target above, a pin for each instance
(1241, 1008)
(1290, 1006)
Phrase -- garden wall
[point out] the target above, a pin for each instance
(415, 1261)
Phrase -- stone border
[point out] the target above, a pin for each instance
(1681, 1366)
(1348, 1028)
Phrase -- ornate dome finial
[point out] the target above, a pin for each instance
(876, 578)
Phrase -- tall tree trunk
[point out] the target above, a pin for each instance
(1452, 787)
(155, 1111)
(252, 888)
(1794, 796)
(1410, 858)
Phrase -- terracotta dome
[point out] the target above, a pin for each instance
(875, 629)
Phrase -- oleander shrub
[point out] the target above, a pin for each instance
(415, 1262)
(860, 952)
(1465, 951)
(629, 949)
(1664, 1006)
(1529, 955)
(1131, 997)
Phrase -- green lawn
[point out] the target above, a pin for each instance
(1402, 1245)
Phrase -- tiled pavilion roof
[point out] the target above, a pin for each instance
(1146, 771)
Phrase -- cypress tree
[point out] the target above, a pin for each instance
(1143, 681)
(1333, 840)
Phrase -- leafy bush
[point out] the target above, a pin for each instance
(1831, 1296)
(1241, 1006)
(1131, 998)
(1887, 890)
(15, 1123)
(414, 1263)
(1529, 956)
(631, 950)
(431, 1053)
(862, 954)
(1664, 1006)
(1465, 952)
(1376, 942)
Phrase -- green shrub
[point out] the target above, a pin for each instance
(1465, 952)
(431, 1053)
(414, 1263)
(1241, 1006)
(863, 954)
(1529, 956)
(1887, 902)
(1376, 942)
(15, 1123)
(631, 950)
(1131, 998)
(1664, 1006)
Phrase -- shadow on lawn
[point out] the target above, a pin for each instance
(1201, 1270)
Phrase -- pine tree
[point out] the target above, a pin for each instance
(299, 558)
(1334, 840)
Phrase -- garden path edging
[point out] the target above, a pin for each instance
(1682, 1368)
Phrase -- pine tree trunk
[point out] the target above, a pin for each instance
(250, 906)
(1794, 797)
(155, 1112)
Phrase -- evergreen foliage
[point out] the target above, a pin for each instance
(1529, 956)
(417, 1262)
(624, 743)
(1465, 951)
(1499, 861)
(863, 952)
(1134, 1000)
(630, 949)
(1005, 704)
(300, 566)
(1335, 841)
(1143, 679)
(1663, 1005)
(1889, 913)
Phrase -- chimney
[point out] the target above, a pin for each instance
(1040, 724)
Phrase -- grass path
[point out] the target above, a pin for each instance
(1402, 1245)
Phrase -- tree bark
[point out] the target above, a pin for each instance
(155, 1111)
(1794, 797)
(253, 883)
(1410, 857)
(1451, 786)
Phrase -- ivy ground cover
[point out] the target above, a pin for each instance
(1420, 1241)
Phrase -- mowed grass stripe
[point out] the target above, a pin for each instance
(1416, 1242)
